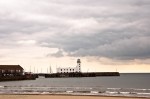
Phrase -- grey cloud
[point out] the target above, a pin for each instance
(134, 48)
(59, 53)
(115, 29)
(110, 45)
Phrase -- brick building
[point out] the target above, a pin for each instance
(11, 70)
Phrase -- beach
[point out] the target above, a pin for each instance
(60, 97)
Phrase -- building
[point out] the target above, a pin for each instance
(69, 69)
(11, 70)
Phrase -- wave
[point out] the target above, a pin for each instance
(75, 91)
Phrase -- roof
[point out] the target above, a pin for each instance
(12, 67)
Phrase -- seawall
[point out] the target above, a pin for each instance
(16, 78)
(89, 74)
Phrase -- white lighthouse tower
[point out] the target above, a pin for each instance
(70, 69)
(78, 67)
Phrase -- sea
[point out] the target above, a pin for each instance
(127, 84)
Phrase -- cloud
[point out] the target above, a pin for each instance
(134, 48)
(27, 42)
(115, 29)
(59, 53)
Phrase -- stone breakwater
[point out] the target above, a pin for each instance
(90, 74)
(15, 78)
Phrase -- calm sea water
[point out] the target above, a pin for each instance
(125, 85)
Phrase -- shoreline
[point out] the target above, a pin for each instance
(69, 95)
(43, 96)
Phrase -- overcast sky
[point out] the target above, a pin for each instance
(102, 33)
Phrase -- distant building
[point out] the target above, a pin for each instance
(11, 70)
(69, 69)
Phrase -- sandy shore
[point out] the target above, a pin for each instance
(58, 97)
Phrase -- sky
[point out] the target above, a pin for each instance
(107, 35)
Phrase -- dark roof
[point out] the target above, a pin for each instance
(12, 67)
(78, 61)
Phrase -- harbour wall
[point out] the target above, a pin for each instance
(78, 74)
(16, 78)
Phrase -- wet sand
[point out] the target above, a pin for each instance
(60, 97)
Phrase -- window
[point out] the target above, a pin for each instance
(3, 71)
(12, 71)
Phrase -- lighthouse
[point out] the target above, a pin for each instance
(78, 68)
(70, 69)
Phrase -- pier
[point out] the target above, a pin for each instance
(90, 74)
(16, 72)
(76, 72)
